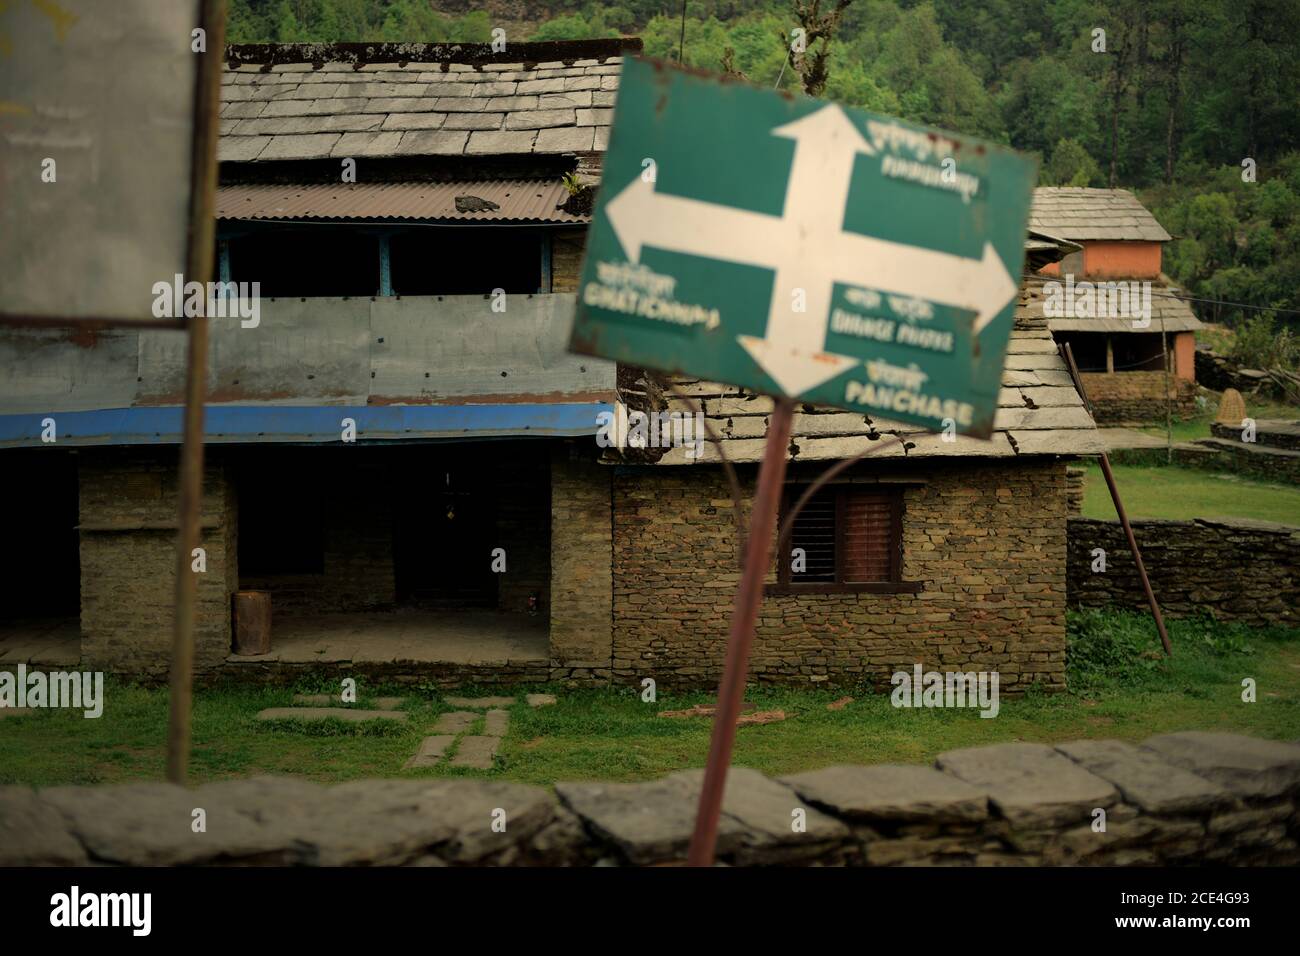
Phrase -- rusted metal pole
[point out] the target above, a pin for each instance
(1123, 518)
(744, 615)
(203, 186)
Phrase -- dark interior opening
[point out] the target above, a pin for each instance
(464, 260)
(442, 546)
(281, 523)
(40, 567)
(1089, 350)
(311, 261)
(1138, 353)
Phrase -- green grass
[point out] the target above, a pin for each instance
(1174, 492)
(1120, 687)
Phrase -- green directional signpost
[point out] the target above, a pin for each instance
(807, 251)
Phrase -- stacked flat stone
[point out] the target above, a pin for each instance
(1183, 798)
(297, 111)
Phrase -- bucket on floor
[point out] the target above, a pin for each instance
(252, 622)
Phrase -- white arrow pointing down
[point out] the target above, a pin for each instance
(807, 248)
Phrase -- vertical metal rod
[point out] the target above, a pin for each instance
(744, 615)
(1123, 518)
(203, 186)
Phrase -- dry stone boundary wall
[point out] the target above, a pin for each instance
(1184, 798)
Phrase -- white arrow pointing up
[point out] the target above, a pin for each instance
(808, 249)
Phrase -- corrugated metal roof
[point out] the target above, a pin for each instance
(516, 200)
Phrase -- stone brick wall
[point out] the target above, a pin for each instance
(1182, 798)
(1236, 570)
(581, 585)
(566, 259)
(985, 540)
(1134, 397)
(1075, 479)
(128, 521)
(524, 530)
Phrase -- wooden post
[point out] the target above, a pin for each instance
(1119, 510)
(744, 615)
(203, 187)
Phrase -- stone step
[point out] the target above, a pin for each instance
(332, 700)
(540, 700)
(496, 723)
(1253, 448)
(480, 703)
(456, 722)
(431, 751)
(349, 714)
(476, 752)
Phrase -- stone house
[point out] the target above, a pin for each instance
(402, 452)
(1110, 300)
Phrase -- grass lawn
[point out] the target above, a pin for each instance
(1173, 492)
(1120, 687)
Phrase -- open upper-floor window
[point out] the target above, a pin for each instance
(353, 259)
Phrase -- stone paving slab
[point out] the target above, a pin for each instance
(335, 700)
(496, 723)
(349, 714)
(892, 793)
(476, 751)
(540, 700)
(431, 751)
(1144, 779)
(480, 703)
(1247, 766)
(1030, 784)
(456, 722)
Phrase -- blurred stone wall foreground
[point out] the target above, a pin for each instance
(1183, 798)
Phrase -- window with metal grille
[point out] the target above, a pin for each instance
(846, 537)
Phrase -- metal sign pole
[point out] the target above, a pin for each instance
(199, 263)
(744, 616)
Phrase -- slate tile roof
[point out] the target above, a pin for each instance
(1175, 314)
(1039, 413)
(284, 111)
(1080, 213)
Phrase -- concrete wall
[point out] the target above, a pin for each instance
(986, 541)
(319, 351)
(1182, 799)
(1236, 570)
(128, 561)
(581, 563)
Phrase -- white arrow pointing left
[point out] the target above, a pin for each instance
(808, 250)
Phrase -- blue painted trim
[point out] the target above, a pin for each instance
(236, 424)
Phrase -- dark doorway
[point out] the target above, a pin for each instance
(442, 547)
(40, 570)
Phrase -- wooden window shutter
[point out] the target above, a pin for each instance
(869, 529)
